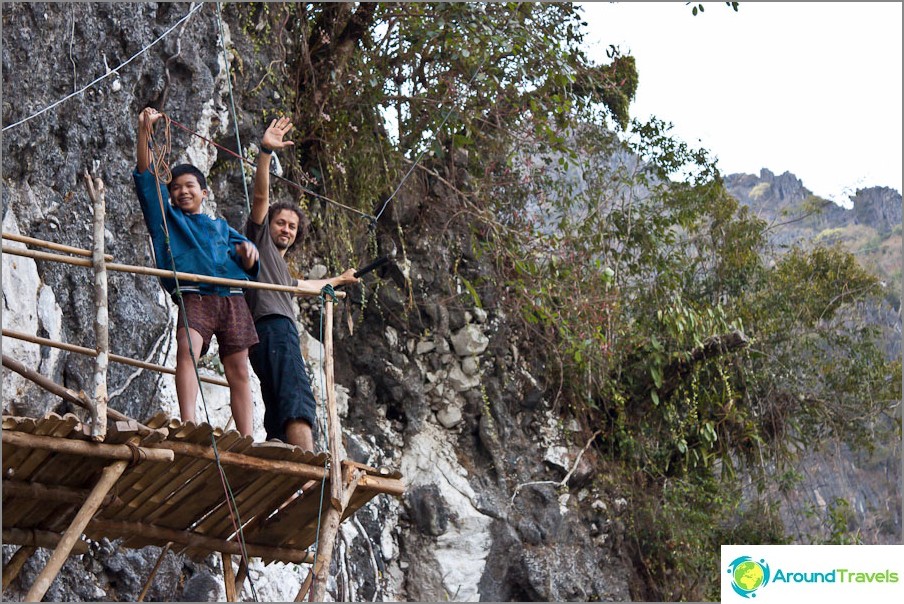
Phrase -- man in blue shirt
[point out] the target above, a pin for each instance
(186, 240)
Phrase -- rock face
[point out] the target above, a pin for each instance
(779, 198)
(837, 474)
(429, 383)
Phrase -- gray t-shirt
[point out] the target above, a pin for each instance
(273, 270)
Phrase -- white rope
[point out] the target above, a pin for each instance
(195, 8)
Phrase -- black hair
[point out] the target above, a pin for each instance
(183, 169)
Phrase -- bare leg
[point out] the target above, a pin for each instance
(186, 380)
(236, 367)
(298, 433)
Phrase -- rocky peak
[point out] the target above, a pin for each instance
(878, 207)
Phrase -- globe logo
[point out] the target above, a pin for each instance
(748, 575)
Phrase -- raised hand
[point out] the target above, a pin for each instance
(148, 117)
(273, 136)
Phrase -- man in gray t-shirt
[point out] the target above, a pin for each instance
(289, 407)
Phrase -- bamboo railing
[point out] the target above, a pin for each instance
(342, 485)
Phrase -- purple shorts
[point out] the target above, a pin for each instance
(226, 317)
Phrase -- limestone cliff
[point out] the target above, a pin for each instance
(430, 384)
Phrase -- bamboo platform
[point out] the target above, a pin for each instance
(171, 490)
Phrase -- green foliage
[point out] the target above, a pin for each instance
(680, 526)
(664, 319)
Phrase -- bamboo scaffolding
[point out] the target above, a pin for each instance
(68, 395)
(108, 478)
(18, 335)
(156, 272)
(344, 478)
(85, 448)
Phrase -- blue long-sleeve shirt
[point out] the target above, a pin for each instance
(200, 244)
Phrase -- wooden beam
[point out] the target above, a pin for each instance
(153, 573)
(196, 540)
(291, 468)
(305, 586)
(38, 538)
(241, 575)
(15, 564)
(18, 335)
(50, 245)
(108, 478)
(228, 576)
(101, 313)
(157, 272)
(42, 492)
(329, 529)
(88, 449)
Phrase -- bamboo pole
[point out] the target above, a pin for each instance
(196, 540)
(18, 335)
(15, 564)
(66, 394)
(334, 436)
(38, 538)
(101, 313)
(227, 458)
(153, 573)
(241, 575)
(333, 516)
(108, 478)
(305, 586)
(85, 448)
(50, 245)
(228, 576)
(42, 492)
(157, 272)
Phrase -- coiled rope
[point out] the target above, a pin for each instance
(160, 169)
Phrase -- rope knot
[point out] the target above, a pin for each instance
(328, 292)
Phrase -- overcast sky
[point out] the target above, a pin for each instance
(809, 88)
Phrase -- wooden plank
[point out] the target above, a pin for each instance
(197, 469)
(210, 494)
(256, 501)
(40, 463)
(16, 456)
(138, 484)
(295, 525)
(155, 490)
(261, 497)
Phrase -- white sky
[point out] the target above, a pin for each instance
(809, 88)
